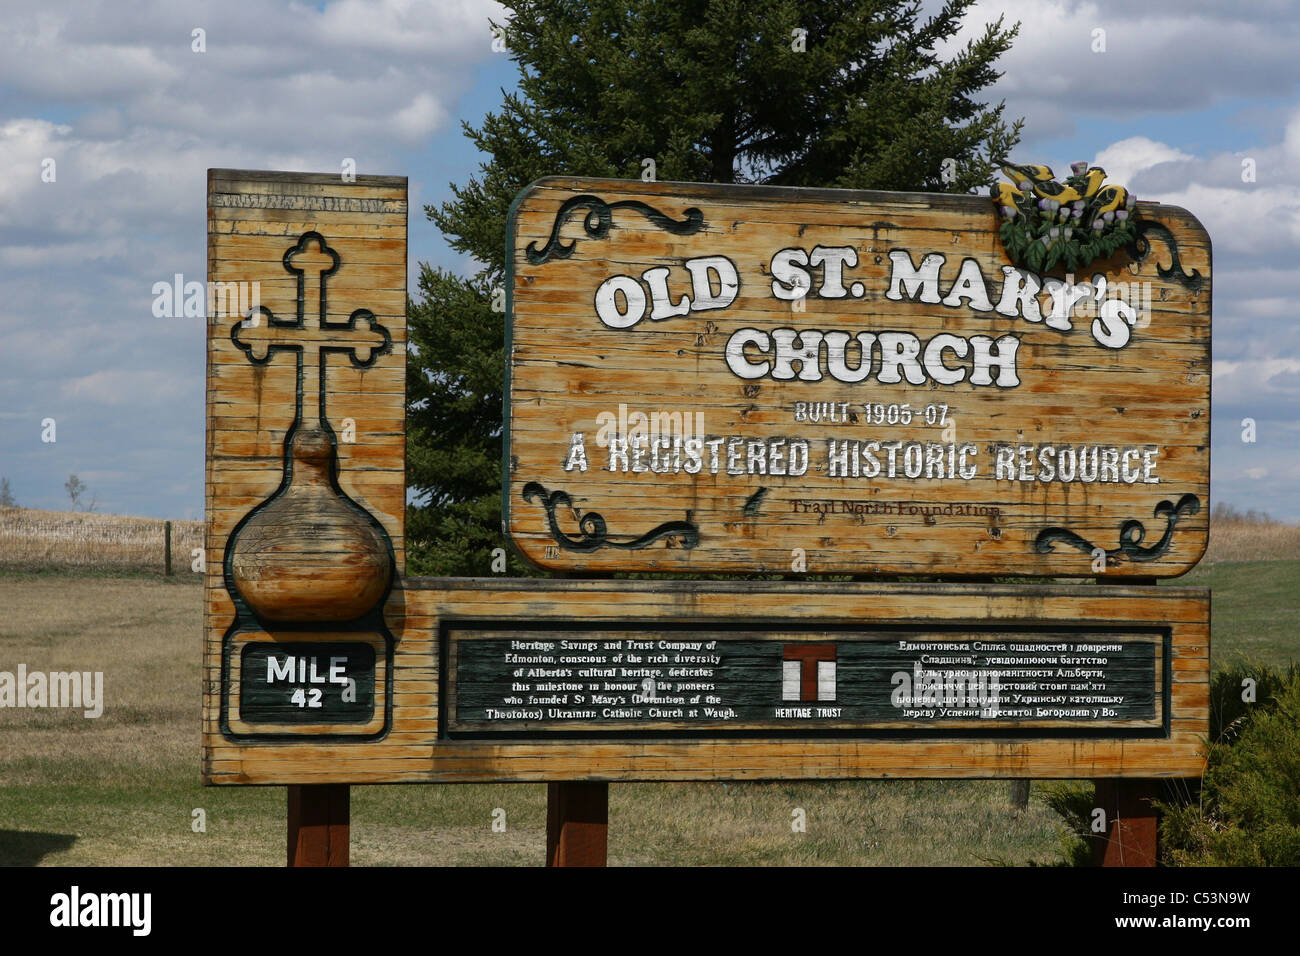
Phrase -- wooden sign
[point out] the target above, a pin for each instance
(324, 664)
(536, 680)
(306, 488)
(734, 378)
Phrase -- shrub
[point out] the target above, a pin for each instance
(1248, 810)
(1245, 810)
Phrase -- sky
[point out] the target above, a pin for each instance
(1184, 101)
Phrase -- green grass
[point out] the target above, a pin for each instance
(1253, 610)
(148, 821)
(122, 789)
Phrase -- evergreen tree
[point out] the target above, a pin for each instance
(852, 94)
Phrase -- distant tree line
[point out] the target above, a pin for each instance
(74, 486)
(1224, 512)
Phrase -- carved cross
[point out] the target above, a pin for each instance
(311, 335)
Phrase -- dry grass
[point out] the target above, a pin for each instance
(143, 635)
(121, 789)
(1245, 540)
(40, 540)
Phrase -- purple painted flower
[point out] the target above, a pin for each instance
(1079, 168)
(1098, 225)
(1009, 212)
(1078, 212)
(1121, 214)
(1046, 241)
(1055, 232)
(1132, 201)
(1024, 185)
(1108, 216)
(1042, 204)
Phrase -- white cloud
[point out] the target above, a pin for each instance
(348, 73)
(125, 386)
(1243, 221)
(1159, 57)
(1123, 160)
(133, 119)
(409, 26)
(1251, 379)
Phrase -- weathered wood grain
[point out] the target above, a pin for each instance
(417, 749)
(571, 373)
(314, 576)
(306, 488)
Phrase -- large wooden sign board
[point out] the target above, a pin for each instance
(707, 378)
(325, 664)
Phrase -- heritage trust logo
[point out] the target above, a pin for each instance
(77, 689)
(75, 909)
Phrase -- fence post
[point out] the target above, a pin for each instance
(319, 827)
(167, 549)
(1020, 794)
(577, 823)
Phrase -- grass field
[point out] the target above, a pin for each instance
(1254, 607)
(81, 540)
(122, 788)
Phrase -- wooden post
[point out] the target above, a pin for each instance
(577, 824)
(1020, 794)
(1131, 826)
(1131, 822)
(319, 824)
(167, 548)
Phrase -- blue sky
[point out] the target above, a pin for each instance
(1180, 95)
